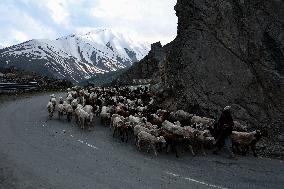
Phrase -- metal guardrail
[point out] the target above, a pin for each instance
(18, 86)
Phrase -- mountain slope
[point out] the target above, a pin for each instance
(75, 57)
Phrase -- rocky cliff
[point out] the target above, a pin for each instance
(229, 52)
(148, 68)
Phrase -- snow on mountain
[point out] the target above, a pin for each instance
(76, 57)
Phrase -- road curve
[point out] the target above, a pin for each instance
(39, 153)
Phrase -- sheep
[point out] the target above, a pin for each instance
(112, 120)
(156, 120)
(137, 120)
(202, 122)
(150, 126)
(105, 115)
(138, 128)
(79, 106)
(172, 128)
(69, 98)
(60, 108)
(53, 101)
(61, 100)
(74, 104)
(117, 122)
(173, 140)
(68, 110)
(124, 130)
(246, 140)
(239, 127)
(82, 117)
(89, 110)
(145, 138)
(181, 116)
(50, 109)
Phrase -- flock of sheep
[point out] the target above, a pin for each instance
(134, 114)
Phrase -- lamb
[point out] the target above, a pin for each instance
(145, 138)
(50, 109)
(246, 140)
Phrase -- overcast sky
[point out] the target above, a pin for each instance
(146, 20)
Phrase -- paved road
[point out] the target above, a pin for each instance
(39, 153)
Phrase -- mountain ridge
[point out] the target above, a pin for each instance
(75, 57)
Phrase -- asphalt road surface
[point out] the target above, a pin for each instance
(39, 153)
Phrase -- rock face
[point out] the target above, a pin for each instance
(147, 68)
(229, 52)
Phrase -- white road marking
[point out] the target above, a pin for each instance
(196, 181)
(89, 145)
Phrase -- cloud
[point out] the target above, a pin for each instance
(18, 26)
(145, 19)
(19, 36)
(58, 9)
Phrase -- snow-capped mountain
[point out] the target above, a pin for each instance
(75, 57)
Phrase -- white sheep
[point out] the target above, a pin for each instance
(105, 115)
(246, 140)
(53, 101)
(202, 122)
(117, 122)
(149, 140)
(138, 128)
(175, 129)
(82, 117)
(74, 104)
(50, 109)
(68, 110)
(137, 120)
(60, 108)
(239, 127)
(89, 110)
(69, 98)
(112, 120)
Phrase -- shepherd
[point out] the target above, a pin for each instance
(224, 129)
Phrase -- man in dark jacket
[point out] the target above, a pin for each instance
(224, 130)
